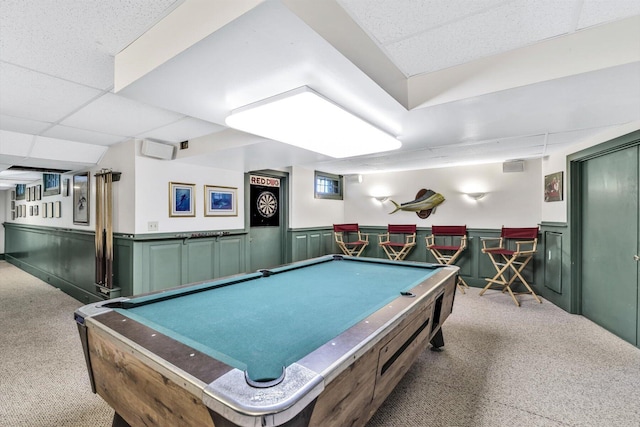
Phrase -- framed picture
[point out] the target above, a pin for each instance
(28, 194)
(36, 210)
(13, 215)
(81, 193)
(65, 187)
(50, 209)
(38, 190)
(57, 209)
(13, 205)
(553, 187)
(13, 194)
(51, 183)
(182, 199)
(220, 201)
(20, 190)
(45, 211)
(31, 210)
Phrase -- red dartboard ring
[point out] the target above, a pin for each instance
(267, 204)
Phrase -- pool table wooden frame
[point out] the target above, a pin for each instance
(162, 382)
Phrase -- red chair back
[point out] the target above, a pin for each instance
(519, 233)
(449, 230)
(401, 228)
(349, 228)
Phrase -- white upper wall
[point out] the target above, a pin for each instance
(512, 199)
(152, 195)
(557, 162)
(307, 211)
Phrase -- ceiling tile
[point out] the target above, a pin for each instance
(75, 40)
(15, 144)
(58, 149)
(112, 114)
(39, 97)
(17, 124)
(513, 25)
(81, 135)
(596, 12)
(390, 21)
(182, 130)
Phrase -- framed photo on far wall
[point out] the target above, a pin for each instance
(220, 201)
(51, 183)
(20, 191)
(81, 192)
(553, 187)
(182, 199)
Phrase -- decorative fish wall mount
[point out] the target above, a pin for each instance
(424, 204)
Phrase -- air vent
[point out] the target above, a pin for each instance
(37, 169)
(513, 166)
(158, 150)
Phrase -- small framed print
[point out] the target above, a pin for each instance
(81, 198)
(38, 190)
(182, 200)
(220, 201)
(50, 209)
(13, 194)
(57, 209)
(13, 205)
(13, 215)
(28, 194)
(51, 182)
(31, 210)
(36, 210)
(45, 211)
(553, 187)
(20, 191)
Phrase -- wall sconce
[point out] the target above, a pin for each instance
(476, 196)
(382, 199)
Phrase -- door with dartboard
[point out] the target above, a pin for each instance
(265, 221)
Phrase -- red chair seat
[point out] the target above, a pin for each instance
(441, 244)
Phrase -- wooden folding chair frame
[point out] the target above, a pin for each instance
(516, 260)
(397, 251)
(448, 254)
(353, 247)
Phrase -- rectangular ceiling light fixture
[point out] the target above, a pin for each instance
(303, 118)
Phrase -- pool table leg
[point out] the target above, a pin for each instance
(437, 340)
(118, 421)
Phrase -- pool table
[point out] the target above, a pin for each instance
(320, 342)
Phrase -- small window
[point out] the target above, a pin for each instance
(328, 186)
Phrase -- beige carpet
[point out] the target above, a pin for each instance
(502, 366)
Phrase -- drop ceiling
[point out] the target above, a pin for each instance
(457, 81)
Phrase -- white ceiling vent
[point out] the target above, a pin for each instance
(158, 150)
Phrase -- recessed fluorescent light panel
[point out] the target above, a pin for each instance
(304, 118)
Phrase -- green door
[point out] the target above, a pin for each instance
(267, 219)
(610, 241)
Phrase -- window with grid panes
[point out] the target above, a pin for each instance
(328, 186)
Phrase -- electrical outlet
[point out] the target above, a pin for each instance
(152, 226)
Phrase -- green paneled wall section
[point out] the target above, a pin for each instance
(474, 265)
(65, 258)
(62, 258)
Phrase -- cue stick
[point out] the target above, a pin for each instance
(98, 236)
(109, 230)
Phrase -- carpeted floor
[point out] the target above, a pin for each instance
(502, 366)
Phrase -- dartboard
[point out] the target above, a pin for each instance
(267, 204)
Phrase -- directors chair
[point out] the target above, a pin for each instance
(398, 241)
(349, 238)
(446, 243)
(504, 258)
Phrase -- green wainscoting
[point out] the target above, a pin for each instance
(65, 258)
(145, 263)
(474, 265)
